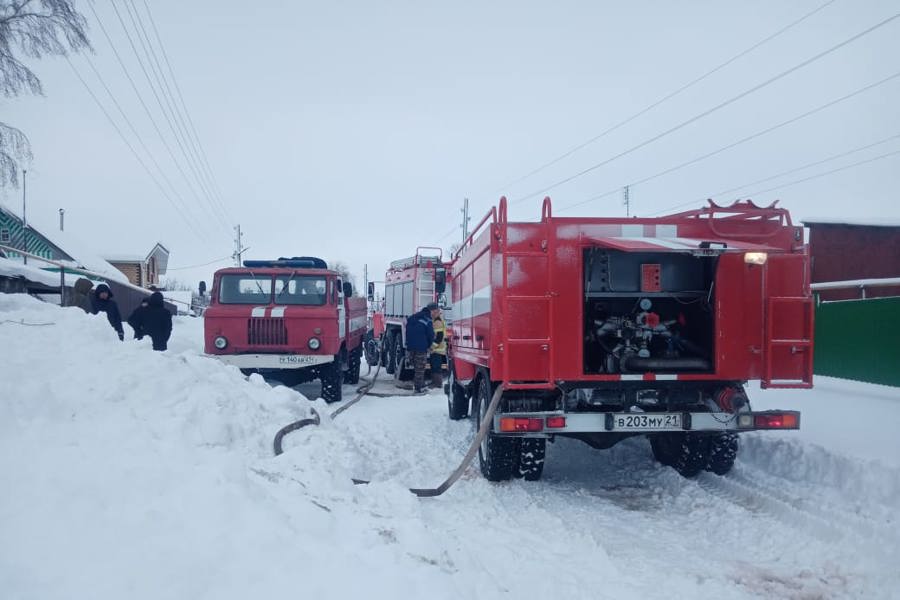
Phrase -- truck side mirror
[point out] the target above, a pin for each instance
(348, 289)
(370, 292)
(440, 280)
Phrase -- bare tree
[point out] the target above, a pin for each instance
(342, 268)
(31, 29)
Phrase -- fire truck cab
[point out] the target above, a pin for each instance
(291, 319)
(601, 329)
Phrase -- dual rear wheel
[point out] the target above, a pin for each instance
(502, 457)
(691, 453)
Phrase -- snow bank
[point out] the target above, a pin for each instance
(128, 473)
(131, 473)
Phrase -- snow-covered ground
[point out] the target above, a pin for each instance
(126, 473)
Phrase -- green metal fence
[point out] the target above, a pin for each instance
(859, 339)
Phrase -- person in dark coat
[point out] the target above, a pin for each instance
(102, 301)
(419, 337)
(156, 321)
(136, 319)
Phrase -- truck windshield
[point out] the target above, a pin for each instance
(245, 289)
(307, 290)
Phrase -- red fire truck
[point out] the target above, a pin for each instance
(409, 285)
(601, 329)
(291, 319)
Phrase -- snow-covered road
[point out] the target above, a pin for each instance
(128, 473)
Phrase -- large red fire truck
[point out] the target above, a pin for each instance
(409, 285)
(291, 319)
(601, 329)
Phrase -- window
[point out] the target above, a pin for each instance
(245, 289)
(305, 290)
(4, 236)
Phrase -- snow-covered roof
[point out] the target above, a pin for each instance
(159, 251)
(85, 255)
(14, 268)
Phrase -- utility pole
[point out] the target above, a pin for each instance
(62, 214)
(24, 220)
(465, 219)
(626, 200)
(238, 246)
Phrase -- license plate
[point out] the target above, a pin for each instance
(644, 421)
(295, 360)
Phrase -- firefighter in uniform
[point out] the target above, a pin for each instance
(438, 351)
(419, 337)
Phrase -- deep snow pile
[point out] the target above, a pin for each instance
(130, 473)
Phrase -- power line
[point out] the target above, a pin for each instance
(130, 147)
(206, 264)
(791, 171)
(159, 103)
(193, 129)
(812, 164)
(140, 97)
(166, 92)
(715, 108)
(139, 138)
(832, 171)
(697, 159)
(668, 96)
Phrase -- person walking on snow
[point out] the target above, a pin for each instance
(155, 320)
(102, 301)
(136, 319)
(419, 337)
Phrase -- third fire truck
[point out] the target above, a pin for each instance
(410, 284)
(601, 329)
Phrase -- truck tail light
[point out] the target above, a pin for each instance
(778, 420)
(517, 424)
(556, 422)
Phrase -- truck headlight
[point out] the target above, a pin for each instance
(220, 342)
(756, 258)
(314, 343)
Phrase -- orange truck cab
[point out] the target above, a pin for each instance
(290, 319)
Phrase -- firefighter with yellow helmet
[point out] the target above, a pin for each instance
(438, 349)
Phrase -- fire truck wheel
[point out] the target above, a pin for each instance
(331, 377)
(498, 456)
(390, 364)
(457, 402)
(686, 453)
(531, 458)
(371, 346)
(723, 450)
(351, 376)
(402, 372)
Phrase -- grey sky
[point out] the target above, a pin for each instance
(353, 130)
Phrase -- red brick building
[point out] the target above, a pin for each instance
(852, 251)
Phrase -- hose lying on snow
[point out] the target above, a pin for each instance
(483, 430)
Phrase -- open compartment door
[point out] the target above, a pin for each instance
(788, 360)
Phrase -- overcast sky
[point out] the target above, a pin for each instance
(353, 130)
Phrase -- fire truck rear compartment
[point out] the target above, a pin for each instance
(648, 312)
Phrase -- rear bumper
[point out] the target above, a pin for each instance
(273, 361)
(645, 423)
